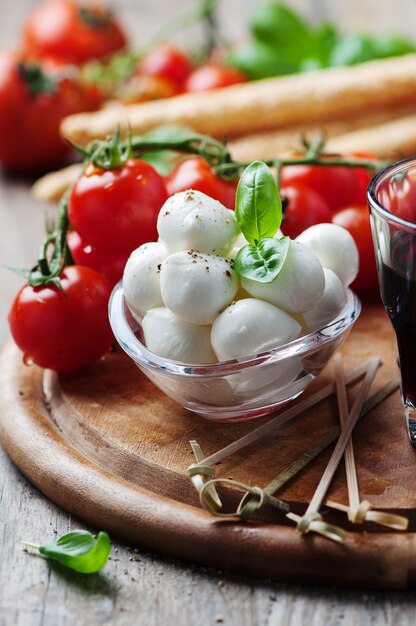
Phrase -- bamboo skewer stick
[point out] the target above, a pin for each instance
(312, 520)
(358, 511)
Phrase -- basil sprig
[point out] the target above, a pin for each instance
(258, 212)
(79, 550)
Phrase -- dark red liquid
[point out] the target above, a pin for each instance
(398, 292)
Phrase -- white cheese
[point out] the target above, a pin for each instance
(298, 286)
(191, 220)
(169, 336)
(141, 278)
(250, 326)
(335, 248)
(197, 286)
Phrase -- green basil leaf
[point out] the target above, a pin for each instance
(264, 261)
(283, 29)
(352, 49)
(79, 550)
(258, 208)
(257, 60)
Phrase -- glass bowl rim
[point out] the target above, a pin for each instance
(301, 346)
(377, 179)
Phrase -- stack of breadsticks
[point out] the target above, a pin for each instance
(369, 107)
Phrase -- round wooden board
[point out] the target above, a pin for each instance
(113, 450)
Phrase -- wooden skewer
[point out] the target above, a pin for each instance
(350, 468)
(281, 419)
(357, 511)
(336, 457)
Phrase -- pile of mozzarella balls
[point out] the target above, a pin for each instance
(195, 308)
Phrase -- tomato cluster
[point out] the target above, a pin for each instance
(166, 70)
(64, 326)
(40, 83)
(47, 77)
(113, 211)
(337, 194)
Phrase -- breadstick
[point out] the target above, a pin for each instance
(50, 187)
(262, 105)
(268, 144)
(393, 139)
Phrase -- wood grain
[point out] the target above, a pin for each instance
(155, 591)
(113, 450)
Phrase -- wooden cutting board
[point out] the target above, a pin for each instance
(113, 450)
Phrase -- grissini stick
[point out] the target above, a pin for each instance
(392, 139)
(267, 144)
(51, 186)
(262, 105)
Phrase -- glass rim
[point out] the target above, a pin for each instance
(377, 179)
(300, 347)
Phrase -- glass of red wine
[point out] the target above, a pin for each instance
(392, 200)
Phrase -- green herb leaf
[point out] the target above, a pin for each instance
(258, 60)
(258, 207)
(283, 29)
(78, 550)
(264, 261)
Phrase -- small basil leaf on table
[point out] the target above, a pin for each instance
(258, 205)
(264, 261)
(78, 550)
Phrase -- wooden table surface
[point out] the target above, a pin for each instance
(137, 587)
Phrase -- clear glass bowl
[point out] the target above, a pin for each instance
(239, 389)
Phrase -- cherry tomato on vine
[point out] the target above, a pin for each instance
(195, 173)
(363, 175)
(168, 62)
(74, 33)
(304, 208)
(338, 185)
(111, 264)
(33, 103)
(212, 76)
(400, 196)
(356, 219)
(116, 209)
(63, 330)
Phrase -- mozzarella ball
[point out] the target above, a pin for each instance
(329, 305)
(249, 327)
(141, 278)
(191, 220)
(267, 380)
(197, 286)
(169, 336)
(335, 248)
(298, 286)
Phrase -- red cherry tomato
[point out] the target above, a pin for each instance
(63, 29)
(116, 210)
(337, 185)
(111, 264)
(356, 219)
(212, 76)
(305, 208)
(363, 175)
(32, 106)
(168, 62)
(195, 173)
(400, 197)
(63, 330)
